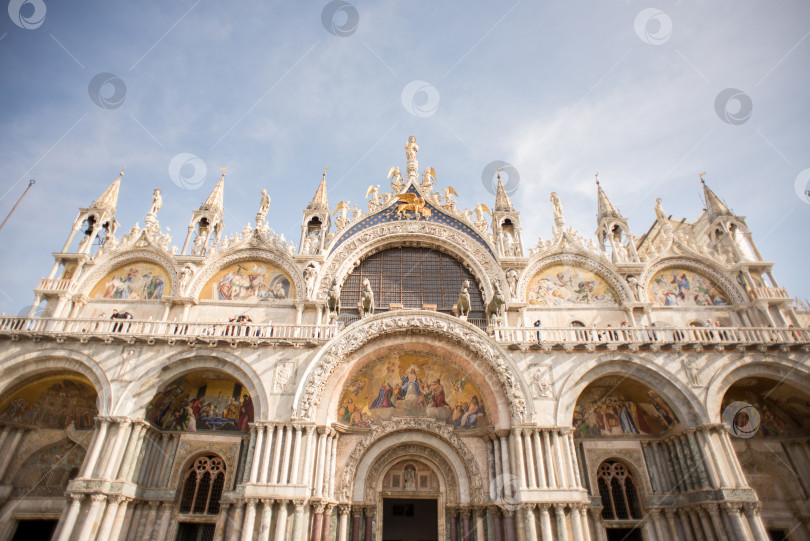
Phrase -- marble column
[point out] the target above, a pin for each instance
(134, 435)
(496, 453)
(673, 529)
(120, 517)
(296, 458)
(599, 525)
(568, 456)
(317, 521)
(327, 522)
(576, 524)
(559, 516)
(357, 511)
(249, 521)
(66, 527)
(529, 520)
(717, 522)
(162, 529)
(281, 521)
(369, 512)
(95, 450)
(333, 466)
(734, 514)
(266, 520)
(453, 516)
(10, 450)
(257, 452)
(250, 454)
(168, 460)
(222, 522)
(706, 524)
(479, 523)
(538, 456)
(276, 466)
(121, 436)
(109, 517)
(151, 520)
(517, 449)
(90, 525)
(509, 524)
(343, 522)
(545, 521)
(320, 468)
(657, 522)
(466, 534)
(269, 440)
(128, 474)
(299, 532)
(531, 475)
(308, 455)
(755, 521)
(553, 482)
(497, 522)
(508, 486)
(558, 459)
(285, 462)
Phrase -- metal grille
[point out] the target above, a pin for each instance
(203, 483)
(618, 491)
(413, 277)
(195, 532)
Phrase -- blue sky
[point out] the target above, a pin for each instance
(560, 90)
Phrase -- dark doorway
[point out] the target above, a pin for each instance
(624, 534)
(27, 530)
(410, 520)
(195, 532)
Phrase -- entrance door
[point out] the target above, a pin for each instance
(28, 530)
(410, 520)
(624, 534)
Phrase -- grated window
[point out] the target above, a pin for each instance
(203, 483)
(618, 491)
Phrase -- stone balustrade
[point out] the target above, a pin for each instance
(654, 336)
(165, 330)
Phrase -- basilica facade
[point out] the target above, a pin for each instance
(411, 370)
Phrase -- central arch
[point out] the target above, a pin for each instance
(317, 378)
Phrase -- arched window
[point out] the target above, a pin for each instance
(577, 324)
(412, 277)
(620, 498)
(202, 486)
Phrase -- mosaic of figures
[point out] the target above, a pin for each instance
(248, 281)
(47, 471)
(613, 406)
(52, 402)
(135, 281)
(201, 401)
(560, 285)
(412, 385)
(683, 287)
(783, 410)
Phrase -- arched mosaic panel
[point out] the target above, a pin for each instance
(564, 285)
(615, 406)
(779, 410)
(249, 281)
(52, 402)
(134, 281)
(202, 401)
(678, 286)
(412, 385)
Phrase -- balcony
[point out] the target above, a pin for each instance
(655, 338)
(55, 284)
(769, 293)
(134, 330)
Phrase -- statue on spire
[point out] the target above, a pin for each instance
(157, 202)
(264, 207)
(411, 148)
(558, 210)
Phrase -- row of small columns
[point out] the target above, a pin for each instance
(542, 458)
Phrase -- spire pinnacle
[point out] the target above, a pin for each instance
(502, 201)
(320, 201)
(109, 199)
(215, 202)
(605, 208)
(714, 206)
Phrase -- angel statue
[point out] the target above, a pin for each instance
(356, 213)
(374, 192)
(157, 202)
(428, 178)
(449, 192)
(411, 148)
(396, 179)
(264, 206)
(479, 212)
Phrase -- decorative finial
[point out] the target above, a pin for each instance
(224, 170)
(596, 178)
(701, 177)
(324, 172)
(121, 174)
(499, 173)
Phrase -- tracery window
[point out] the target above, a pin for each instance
(617, 488)
(203, 483)
(413, 277)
